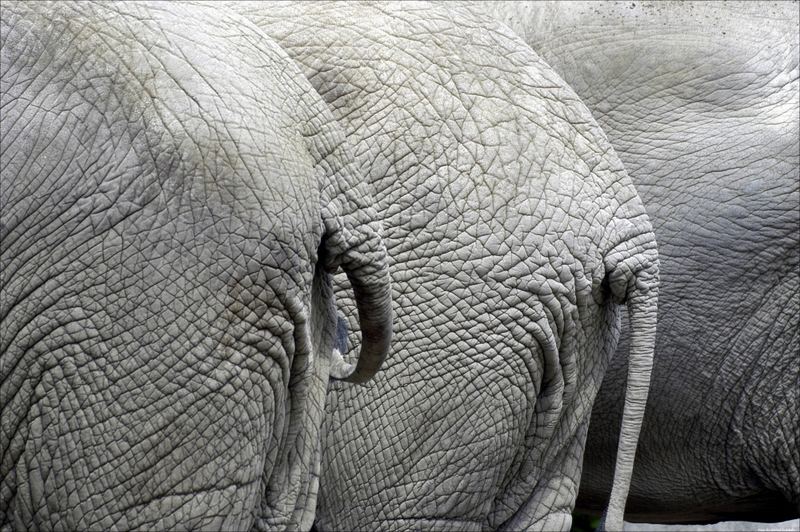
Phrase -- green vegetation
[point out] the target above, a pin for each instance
(584, 523)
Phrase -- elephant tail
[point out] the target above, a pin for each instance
(374, 303)
(634, 281)
(360, 251)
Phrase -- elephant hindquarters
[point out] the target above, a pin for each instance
(761, 424)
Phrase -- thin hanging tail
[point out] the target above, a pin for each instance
(642, 302)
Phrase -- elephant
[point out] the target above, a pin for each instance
(701, 102)
(513, 236)
(175, 200)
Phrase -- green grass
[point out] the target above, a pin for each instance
(584, 523)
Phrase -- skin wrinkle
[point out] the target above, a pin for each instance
(461, 242)
(177, 120)
(491, 234)
(169, 236)
(700, 101)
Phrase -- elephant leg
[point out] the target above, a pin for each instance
(550, 506)
(554, 521)
(760, 429)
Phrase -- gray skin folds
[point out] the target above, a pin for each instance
(701, 102)
(174, 200)
(513, 235)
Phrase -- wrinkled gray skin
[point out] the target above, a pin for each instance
(174, 199)
(701, 103)
(513, 234)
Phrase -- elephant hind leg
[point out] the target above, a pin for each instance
(551, 501)
(763, 429)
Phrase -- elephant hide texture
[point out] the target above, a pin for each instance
(175, 198)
